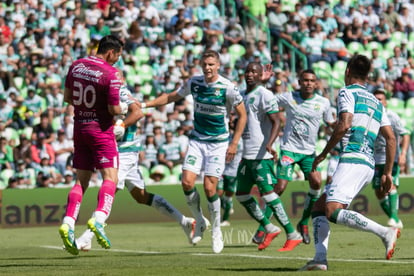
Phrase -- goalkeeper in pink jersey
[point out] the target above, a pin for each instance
(92, 87)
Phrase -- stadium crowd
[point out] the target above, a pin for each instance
(39, 39)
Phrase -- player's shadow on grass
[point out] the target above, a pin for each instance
(276, 269)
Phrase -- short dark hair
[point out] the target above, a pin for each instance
(210, 53)
(109, 42)
(307, 71)
(359, 66)
(380, 91)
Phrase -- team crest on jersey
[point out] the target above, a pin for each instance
(217, 92)
(317, 107)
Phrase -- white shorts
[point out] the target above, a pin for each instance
(206, 155)
(332, 165)
(347, 181)
(231, 168)
(128, 172)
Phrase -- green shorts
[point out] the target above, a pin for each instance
(379, 169)
(259, 172)
(287, 161)
(228, 184)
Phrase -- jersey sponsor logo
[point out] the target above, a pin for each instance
(286, 160)
(104, 160)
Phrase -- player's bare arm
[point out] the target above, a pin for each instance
(275, 120)
(163, 100)
(386, 179)
(241, 123)
(344, 123)
(67, 96)
(134, 115)
(405, 143)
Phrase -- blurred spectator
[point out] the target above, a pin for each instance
(170, 152)
(404, 86)
(207, 10)
(382, 32)
(23, 150)
(150, 11)
(23, 176)
(148, 158)
(327, 21)
(33, 102)
(181, 138)
(406, 20)
(405, 51)
(158, 133)
(41, 148)
(391, 16)
(6, 111)
(68, 179)
(92, 13)
(46, 174)
(22, 116)
(334, 47)
(99, 30)
(398, 60)
(312, 48)
(353, 32)
(234, 33)
(277, 20)
(6, 155)
(45, 128)
(63, 148)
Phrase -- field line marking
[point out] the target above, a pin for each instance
(243, 255)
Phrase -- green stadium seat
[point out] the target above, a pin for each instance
(199, 33)
(162, 170)
(178, 52)
(410, 104)
(5, 175)
(177, 170)
(322, 69)
(145, 73)
(407, 119)
(340, 67)
(141, 55)
(144, 172)
(236, 51)
(398, 37)
(355, 47)
(396, 105)
(374, 45)
(56, 123)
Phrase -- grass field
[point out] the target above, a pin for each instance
(163, 249)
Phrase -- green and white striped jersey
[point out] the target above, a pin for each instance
(259, 103)
(130, 142)
(303, 119)
(368, 116)
(380, 143)
(212, 106)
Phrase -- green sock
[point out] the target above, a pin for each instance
(393, 201)
(252, 207)
(228, 204)
(268, 213)
(311, 198)
(279, 211)
(385, 206)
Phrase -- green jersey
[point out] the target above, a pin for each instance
(368, 116)
(303, 119)
(213, 103)
(259, 103)
(380, 143)
(130, 141)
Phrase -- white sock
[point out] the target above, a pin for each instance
(358, 221)
(100, 217)
(214, 209)
(70, 221)
(193, 201)
(87, 235)
(321, 232)
(164, 207)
